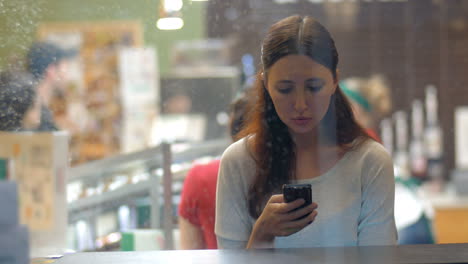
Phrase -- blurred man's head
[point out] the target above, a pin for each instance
(48, 64)
(42, 56)
(19, 107)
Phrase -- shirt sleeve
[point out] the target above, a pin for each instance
(230, 244)
(376, 224)
(189, 204)
(233, 224)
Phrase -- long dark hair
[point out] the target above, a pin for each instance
(269, 141)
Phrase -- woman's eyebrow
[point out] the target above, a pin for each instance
(315, 79)
(285, 82)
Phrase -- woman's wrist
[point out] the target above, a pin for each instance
(260, 239)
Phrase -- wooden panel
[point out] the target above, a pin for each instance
(413, 43)
(450, 225)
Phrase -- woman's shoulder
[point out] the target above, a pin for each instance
(237, 151)
(370, 151)
(237, 162)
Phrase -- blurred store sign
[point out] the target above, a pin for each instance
(39, 164)
(207, 53)
(139, 93)
(90, 108)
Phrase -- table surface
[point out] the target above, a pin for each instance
(446, 253)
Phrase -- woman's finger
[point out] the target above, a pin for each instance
(300, 212)
(300, 223)
(276, 198)
(288, 207)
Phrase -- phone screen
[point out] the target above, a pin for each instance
(292, 192)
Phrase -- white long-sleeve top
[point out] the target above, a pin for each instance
(355, 201)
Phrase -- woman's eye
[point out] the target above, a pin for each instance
(284, 88)
(314, 88)
(315, 85)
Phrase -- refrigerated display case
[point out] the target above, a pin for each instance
(103, 193)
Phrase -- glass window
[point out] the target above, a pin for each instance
(110, 110)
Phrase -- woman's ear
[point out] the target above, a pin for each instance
(336, 80)
(264, 80)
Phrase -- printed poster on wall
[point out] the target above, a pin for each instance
(139, 93)
(37, 175)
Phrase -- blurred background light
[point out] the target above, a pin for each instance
(170, 23)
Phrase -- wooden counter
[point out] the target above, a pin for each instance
(450, 215)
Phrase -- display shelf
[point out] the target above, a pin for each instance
(94, 169)
(111, 198)
(148, 160)
(165, 166)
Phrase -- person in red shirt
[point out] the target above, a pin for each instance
(198, 201)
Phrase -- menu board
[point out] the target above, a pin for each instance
(139, 93)
(40, 178)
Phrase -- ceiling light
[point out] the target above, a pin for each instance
(170, 23)
(172, 5)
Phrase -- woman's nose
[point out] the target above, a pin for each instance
(300, 104)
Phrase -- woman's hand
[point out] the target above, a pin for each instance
(279, 219)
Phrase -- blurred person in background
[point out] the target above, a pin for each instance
(197, 207)
(48, 64)
(370, 100)
(19, 104)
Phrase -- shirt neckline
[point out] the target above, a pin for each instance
(328, 172)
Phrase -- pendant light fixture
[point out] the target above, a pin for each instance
(170, 16)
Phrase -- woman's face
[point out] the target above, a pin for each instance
(300, 89)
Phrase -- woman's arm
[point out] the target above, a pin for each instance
(377, 221)
(191, 236)
(232, 222)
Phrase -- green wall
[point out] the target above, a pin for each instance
(19, 19)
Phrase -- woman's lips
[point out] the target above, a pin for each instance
(301, 121)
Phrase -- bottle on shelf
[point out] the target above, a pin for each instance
(401, 157)
(433, 141)
(418, 162)
(386, 131)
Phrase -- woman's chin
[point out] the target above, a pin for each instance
(302, 130)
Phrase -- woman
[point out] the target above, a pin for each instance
(302, 130)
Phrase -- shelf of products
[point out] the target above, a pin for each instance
(104, 188)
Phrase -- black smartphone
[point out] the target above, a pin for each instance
(292, 192)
